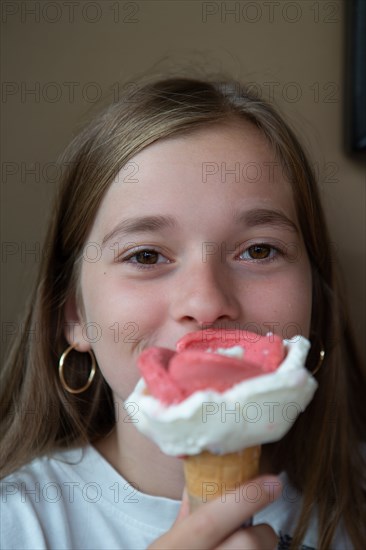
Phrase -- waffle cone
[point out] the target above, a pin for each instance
(210, 476)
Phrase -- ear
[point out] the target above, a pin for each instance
(74, 325)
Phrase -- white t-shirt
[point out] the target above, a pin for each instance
(76, 500)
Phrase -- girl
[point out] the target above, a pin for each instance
(188, 204)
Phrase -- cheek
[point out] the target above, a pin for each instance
(120, 319)
(280, 304)
(116, 356)
(297, 300)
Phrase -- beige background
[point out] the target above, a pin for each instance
(71, 55)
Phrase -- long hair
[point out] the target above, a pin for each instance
(322, 452)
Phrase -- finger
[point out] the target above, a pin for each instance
(184, 508)
(214, 521)
(260, 537)
(227, 514)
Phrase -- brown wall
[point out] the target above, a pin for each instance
(70, 55)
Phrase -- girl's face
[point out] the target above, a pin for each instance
(197, 231)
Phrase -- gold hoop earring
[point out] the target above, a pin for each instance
(61, 371)
(320, 362)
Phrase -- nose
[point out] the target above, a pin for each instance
(205, 295)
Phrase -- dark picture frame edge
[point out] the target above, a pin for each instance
(355, 78)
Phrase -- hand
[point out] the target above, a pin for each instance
(217, 524)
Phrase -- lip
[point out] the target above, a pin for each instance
(203, 332)
(220, 338)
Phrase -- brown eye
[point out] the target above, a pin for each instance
(262, 253)
(259, 251)
(147, 257)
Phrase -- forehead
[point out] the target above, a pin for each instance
(239, 145)
(210, 170)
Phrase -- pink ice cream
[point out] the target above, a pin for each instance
(221, 391)
(208, 360)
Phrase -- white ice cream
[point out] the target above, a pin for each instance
(255, 411)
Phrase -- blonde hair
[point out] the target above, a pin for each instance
(322, 453)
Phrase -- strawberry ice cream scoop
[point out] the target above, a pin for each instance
(221, 391)
(208, 360)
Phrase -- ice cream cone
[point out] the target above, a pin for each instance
(210, 476)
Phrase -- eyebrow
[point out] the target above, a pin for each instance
(139, 225)
(264, 216)
(251, 218)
